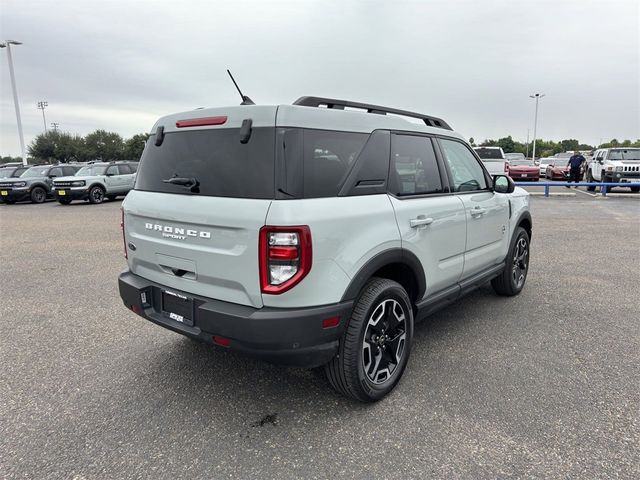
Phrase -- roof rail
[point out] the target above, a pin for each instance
(341, 104)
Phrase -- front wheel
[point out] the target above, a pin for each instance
(376, 344)
(511, 281)
(38, 195)
(96, 194)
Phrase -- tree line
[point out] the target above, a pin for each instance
(548, 148)
(54, 146)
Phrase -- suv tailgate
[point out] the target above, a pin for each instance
(207, 246)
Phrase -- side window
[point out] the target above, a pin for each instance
(414, 169)
(68, 171)
(133, 167)
(328, 157)
(466, 171)
(112, 170)
(55, 172)
(124, 169)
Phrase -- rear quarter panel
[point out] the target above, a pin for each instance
(345, 233)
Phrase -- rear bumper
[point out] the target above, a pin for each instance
(286, 336)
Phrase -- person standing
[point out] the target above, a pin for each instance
(575, 165)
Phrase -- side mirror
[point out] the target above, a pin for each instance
(503, 184)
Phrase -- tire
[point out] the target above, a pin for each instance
(96, 194)
(38, 195)
(512, 279)
(590, 179)
(64, 201)
(366, 370)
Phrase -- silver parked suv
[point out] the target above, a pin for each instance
(316, 234)
(96, 181)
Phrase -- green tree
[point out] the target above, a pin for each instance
(472, 142)
(134, 146)
(103, 145)
(507, 144)
(570, 145)
(43, 146)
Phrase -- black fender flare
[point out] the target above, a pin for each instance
(526, 215)
(97, 184)
(44, 186)
(380, 260)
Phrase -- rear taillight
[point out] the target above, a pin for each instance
(506, 167)
(284, 256)
(124, 241)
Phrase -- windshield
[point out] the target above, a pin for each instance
(6, 172)
(489, 153)
(92, 170)
(625, 154)
(36, 172)
(522, 162)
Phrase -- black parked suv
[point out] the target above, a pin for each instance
(35, 184)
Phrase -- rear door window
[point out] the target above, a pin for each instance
(216, 159)
(55, 172)
(414, 169)
(124, 169)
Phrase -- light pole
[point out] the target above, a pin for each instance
(537, 96)
(527, 143)
(41, 106)
(55, 126)
(7, 44)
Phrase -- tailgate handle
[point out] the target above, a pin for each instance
(178, 272)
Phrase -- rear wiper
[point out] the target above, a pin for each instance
(192, 183)
(184, 181)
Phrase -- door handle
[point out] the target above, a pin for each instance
(478, 211)
(421, 220)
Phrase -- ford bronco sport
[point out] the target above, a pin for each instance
(316, 234)
(96, 181)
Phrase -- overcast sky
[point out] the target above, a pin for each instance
(118, 65)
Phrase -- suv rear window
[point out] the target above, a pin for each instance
(222, 165)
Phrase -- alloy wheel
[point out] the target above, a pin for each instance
(384, 341)
(520, 262)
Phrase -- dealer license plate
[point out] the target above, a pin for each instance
(178, 307)
(62, 193)
(524, 175)
(4, 193)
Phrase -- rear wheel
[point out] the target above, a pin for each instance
(38, 195)
(376, 344)
(511, 281)
(96, 194)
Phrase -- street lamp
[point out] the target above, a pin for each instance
(537, 96)
(55, 126)
(41, 106)
(7, 44)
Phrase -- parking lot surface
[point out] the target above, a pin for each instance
(542, 385)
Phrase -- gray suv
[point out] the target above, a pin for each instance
(316, 234)
(96, 182)
(35, 184)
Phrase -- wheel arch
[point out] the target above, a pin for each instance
(524, 221)
(399, 265)
(97, 184)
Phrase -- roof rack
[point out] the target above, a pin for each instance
(341, 104)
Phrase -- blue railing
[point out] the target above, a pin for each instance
(604, 186)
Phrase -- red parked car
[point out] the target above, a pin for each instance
(560, 170)
(524, 170)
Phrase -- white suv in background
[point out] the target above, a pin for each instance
(316, 234)
(617, 165)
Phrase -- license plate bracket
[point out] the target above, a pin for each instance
(178, 307)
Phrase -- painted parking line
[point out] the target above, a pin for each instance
(587, 193)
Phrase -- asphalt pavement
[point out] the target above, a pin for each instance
(542, 385)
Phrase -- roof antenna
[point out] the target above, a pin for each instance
(245, 100)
